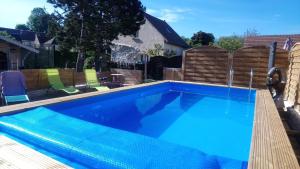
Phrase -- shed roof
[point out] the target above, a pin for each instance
(16, 43)
(266, 40)
(27, 35)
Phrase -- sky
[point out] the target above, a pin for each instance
(220, 17)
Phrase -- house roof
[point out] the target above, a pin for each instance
(166, 31)
(266, 40)
(27, 35)
(16, 43)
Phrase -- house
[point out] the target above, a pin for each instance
(27, 37)
(25, 45)
(13, 53)
(152, 33)
(266, 40)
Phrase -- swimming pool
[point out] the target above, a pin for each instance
(167, 125)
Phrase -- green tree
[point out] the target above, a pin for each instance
(6, 35)
(187, 40)
(22, 27)
(230, 43)
(42, 22)
(202, 38)
(95, 24)
(156, 51)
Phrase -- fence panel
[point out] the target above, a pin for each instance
(211, 65)
(172, 74)
(206, 64)
(131, 77)
(36, 79)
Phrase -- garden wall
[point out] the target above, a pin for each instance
(209, 64)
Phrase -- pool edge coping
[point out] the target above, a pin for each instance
(4, 110)
(257, 159)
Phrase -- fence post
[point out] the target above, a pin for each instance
(183, 65)
(272, 55)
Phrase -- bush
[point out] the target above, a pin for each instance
(230, 43)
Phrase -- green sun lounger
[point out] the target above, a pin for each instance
(92, 81)
(56, 83)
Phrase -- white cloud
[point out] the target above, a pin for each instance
(169, 15)
(151, 11)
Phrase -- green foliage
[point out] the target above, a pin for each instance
(169, 53)
(156, 51)
(187, 40)
(92, 25)
(202, 38)
(89, 61)
(41, 21)
(6, 35)
(230, 43)
(22, 27)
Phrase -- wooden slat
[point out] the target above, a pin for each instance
(293, 77)
(14, 155)
(204, 62)
(270, 148)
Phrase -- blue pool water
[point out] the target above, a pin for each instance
(169, 125)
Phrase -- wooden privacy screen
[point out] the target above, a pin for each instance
(37, 78)
(256, 58)
(172, 74)
(211, 65)
(131, 77)
(291, 92)
(206, 64)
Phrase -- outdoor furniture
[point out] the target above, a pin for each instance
(92, 81)
(116, 77)
(56, 83)
(13, 87)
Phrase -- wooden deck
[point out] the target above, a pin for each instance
(14, 155)
(271, 148)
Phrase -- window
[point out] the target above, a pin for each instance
(136, 35)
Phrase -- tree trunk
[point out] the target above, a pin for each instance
(80, 56)
(80, 62)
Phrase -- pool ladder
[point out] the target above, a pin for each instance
(251, 79)
(230, 79)
(250, 84)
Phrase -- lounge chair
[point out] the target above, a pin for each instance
(56, 83)
(13, 87)
(92, 81)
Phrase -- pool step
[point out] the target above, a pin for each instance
(14, 155)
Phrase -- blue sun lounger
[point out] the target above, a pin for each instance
(13, 87)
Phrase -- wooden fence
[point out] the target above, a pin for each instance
(172, 74)
(256, 58)
(131, 77)
(292, 88)
(206, 64)
(36, 79)
(210, 64)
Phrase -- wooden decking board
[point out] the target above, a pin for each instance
(271, 148)
(14, 155)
